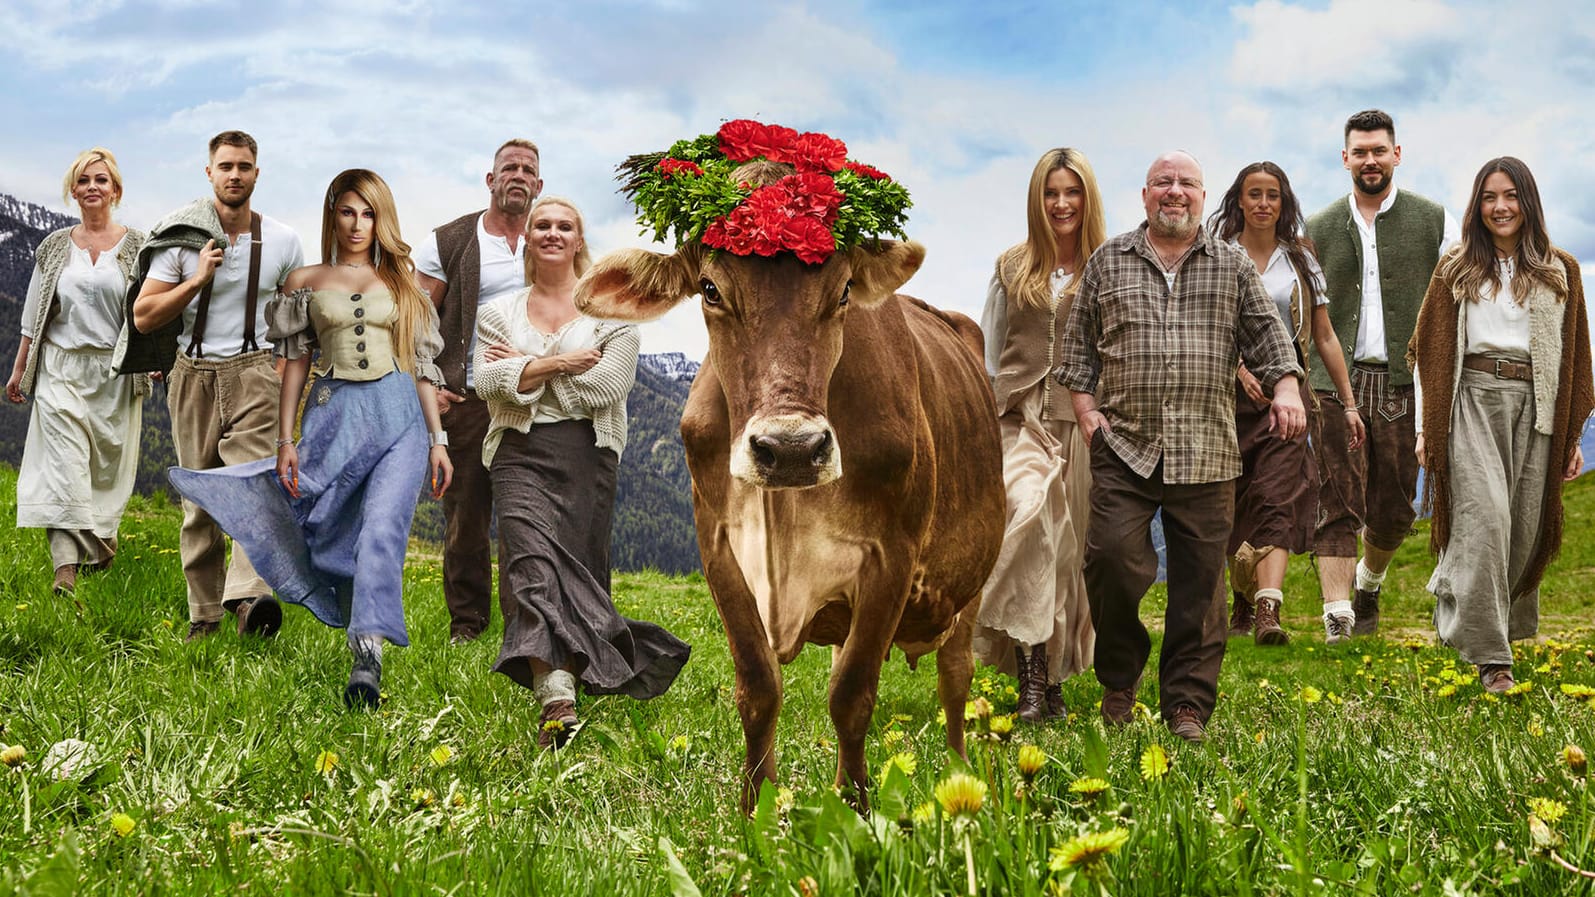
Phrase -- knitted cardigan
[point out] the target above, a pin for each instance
(598, 393)
(189, 227)
(49, 260)
(1559, 347)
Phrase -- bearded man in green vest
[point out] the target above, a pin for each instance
(1378, 248)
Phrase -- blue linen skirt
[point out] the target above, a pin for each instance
(339, 548)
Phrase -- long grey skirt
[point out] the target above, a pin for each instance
(1497, 478)
(555, 493)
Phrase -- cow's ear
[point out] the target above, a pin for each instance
(879, 269)
(638, 285)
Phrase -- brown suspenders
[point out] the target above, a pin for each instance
(196, 344)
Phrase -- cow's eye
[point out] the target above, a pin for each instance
(711, 293)
(846, 288)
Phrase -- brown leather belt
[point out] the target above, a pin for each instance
(1500, 367)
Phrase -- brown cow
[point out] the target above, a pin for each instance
(846, 472)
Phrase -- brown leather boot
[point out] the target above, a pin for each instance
(1267, 630)
(1241, 618)
(1032, 683)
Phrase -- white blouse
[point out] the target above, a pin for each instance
(1498, 324)
(92, 295)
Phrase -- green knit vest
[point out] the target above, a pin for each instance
(1408, 236)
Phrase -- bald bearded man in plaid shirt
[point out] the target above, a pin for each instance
(1164, 316)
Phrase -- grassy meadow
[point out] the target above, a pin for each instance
(230, 766)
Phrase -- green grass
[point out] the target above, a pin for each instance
(1400, 778)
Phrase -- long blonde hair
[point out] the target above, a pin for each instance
(1026, 269)
(583, 259)
(390, 255)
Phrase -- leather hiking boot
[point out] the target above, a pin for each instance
(1267, 630)
(260, 616)
(1240, 616)
(201, 628)
(1032, 671)
(1118, 705)
(1187, 724)
(66, 579)
(557, 725)
(1056, 709)
(1496, 677)
(1365, 605)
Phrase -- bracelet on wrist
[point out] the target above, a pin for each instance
(441, 437)
(283, 442)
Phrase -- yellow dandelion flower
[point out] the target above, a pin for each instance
(1573, 756)
(1519, 689)
(326, 762)
(678, 744)
(457, 801)
(1310, 695)
(941, 718)
(1549, 810)
(1578, 690)
(1002, 726)
(903, 760)
(122, 824)
(924, 814)
(13, 755)
(1031, 759)
(1238, 805)
(785, 799)
(1154, 762)
(21, 608)
(441, 754)
(1088, 853)
(1543, 668)
(892, 739)
(1261, 734)
(1536, 727)
(1089, 788)
(960, 794)
(1446, 690)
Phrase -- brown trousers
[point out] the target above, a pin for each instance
(467, 522)
(1370, 490)
(223, 412)
(1121, 564)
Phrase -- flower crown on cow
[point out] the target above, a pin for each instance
(830, 202)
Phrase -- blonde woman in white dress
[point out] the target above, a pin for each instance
(1034, 620)
(81, 455)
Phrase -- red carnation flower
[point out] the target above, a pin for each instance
(814, 151)
(814, 194)
(809, 239)
(774, 143)
(737, 139)
(668, 167)
(868, 171)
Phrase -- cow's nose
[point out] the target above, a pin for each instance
(791, 455)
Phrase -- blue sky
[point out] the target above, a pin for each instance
(955, 99)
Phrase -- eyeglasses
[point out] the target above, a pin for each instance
(1164, 183)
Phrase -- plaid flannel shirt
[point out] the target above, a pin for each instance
(1166, 359)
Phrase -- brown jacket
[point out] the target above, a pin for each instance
(1436, 348)
(461, 256)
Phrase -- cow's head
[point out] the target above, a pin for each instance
(775, 335)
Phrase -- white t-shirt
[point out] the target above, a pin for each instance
(91, 294)
(502, 271)
(1371, 323)
(224, 322)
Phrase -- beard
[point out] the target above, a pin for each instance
(236, 203)
(513, 203)
(1170, 226)
(1374, 189)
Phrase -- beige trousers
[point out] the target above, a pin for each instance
(223, 412)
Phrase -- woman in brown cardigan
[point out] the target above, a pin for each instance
(1502, 355)
(1034, 620)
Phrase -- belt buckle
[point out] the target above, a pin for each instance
(1498, 374)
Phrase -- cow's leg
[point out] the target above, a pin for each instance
(856, 672)
(955, 668)
(758, 672)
